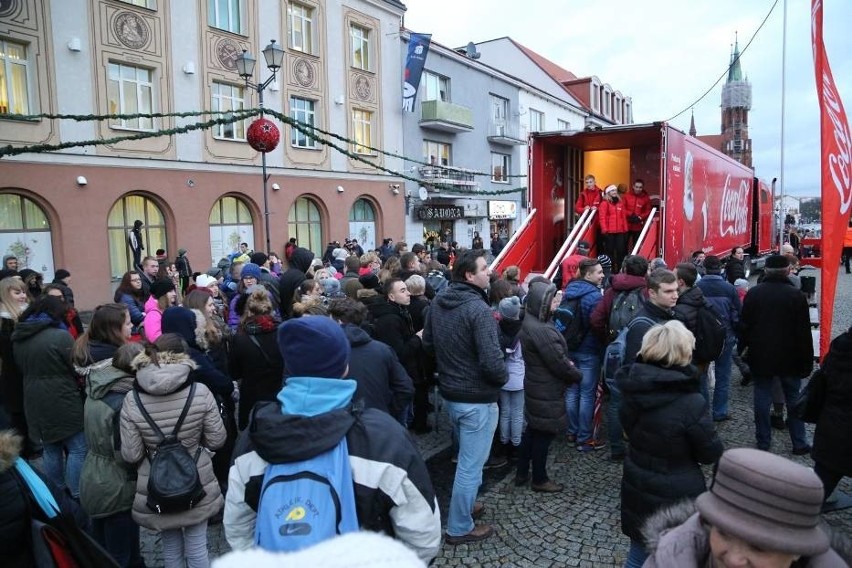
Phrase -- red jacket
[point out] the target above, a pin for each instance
(637, 204)
(613, 217)
(588, 198)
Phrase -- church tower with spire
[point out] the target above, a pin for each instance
(736, 102)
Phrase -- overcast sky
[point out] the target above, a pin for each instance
(666, 53)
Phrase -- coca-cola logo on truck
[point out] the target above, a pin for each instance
(733, 219)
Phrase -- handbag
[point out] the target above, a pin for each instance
(808, 406)
(57, 541)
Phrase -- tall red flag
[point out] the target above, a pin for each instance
(836, 180)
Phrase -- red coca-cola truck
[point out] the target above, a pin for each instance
(701, 198)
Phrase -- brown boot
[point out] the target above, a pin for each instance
(548, 486)
(479, 532)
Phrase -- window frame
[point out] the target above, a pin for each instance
(124, 124)
(216, 102)
(214, 18)
(149, 4)
(428, 145)
(563, 124)
(363, 63)
(540, 115)
(8, 65)
(505, 166)
(307, 44)
(362, 123)
(297, 226)
(296, 135)
(438, 80)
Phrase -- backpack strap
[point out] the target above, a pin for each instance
(254, 340)
(147, 417)
(185, 410)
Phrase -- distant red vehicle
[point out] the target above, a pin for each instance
(702, 199)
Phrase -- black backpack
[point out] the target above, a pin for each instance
(568, 319)
(625, 306)
(173, 483)
(710, 334)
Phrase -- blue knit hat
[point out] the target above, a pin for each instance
(313, 346)
(250, 269)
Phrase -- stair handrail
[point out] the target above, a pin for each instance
(647, 227)
(577, 231)
(515, 236)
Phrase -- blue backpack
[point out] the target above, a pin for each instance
(615, 351)
(306, 502)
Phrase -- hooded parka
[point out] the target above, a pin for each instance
(163, 392)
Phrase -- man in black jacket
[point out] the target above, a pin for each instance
(298, 264)
(465, 338)
(776, 329)
(662, 298)
(383, 382)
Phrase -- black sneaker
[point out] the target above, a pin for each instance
(777, 421)
(803, 451)
(495, 462)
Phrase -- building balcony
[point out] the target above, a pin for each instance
(506, 134)
(446, 117)
(448, 177)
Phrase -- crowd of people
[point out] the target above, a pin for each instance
(280, 397)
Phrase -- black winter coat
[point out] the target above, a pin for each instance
(392, 325)
(11, 378)
(382, 381)
(638, 330)
(259, 369)
(549, 371)
(291, 278)
(776, 329)
(734, 269)
(833, 435)
(665, 417)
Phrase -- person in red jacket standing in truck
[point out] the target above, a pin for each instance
(590, 196)
(613, 222)
(637, 203)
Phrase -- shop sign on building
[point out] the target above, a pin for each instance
(439, 212)
(502, 209)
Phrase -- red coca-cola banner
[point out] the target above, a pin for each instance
(836, 175)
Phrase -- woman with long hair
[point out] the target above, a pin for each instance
(102, 355)
(217, 338)
(52, 396)
(255, 359)
(13, 302)
(129, 293)
(666, 419)
(249, 276)
(163, 296)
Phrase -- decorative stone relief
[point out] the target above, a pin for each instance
(363, 88)
(131, 30)
(227, 52)
(304, 72)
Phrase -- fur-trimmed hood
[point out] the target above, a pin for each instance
(169, 374)
(692, 538)
(189, 324)
(10, 449)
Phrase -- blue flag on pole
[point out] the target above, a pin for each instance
(418, 48)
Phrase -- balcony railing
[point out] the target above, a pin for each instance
(506, 133)
(444, 116)
(448, 176)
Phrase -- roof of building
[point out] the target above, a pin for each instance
(735, 71)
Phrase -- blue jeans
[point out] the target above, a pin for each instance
(475, 424)
(616, 433)
(511, 417)
(119, 535)
(580, 398)
(762, 405)
(636, 556)
(53, 457)
(723, 379)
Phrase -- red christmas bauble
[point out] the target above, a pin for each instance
(263, 135)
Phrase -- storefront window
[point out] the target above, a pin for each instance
(25, 233)
(121, 217)
(231, 223)
(305, 224)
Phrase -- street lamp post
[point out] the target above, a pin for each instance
(274, 56)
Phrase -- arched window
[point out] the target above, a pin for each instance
(230, 224)
(25, 233)
(362, 223)
(305, 224)
(119, 223)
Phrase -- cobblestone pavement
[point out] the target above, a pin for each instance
(581, 525)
